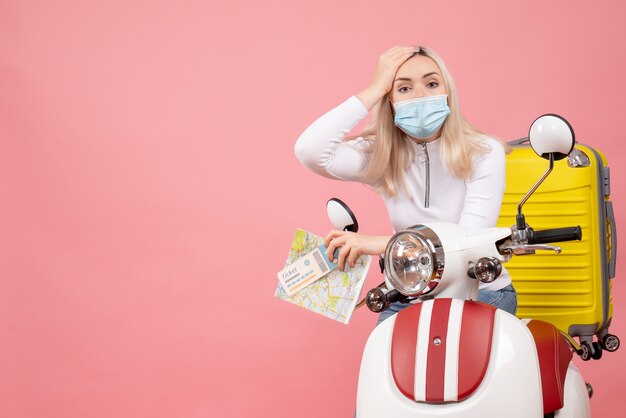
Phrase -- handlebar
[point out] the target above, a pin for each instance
(379, 298)
(546, 236)
(393, 296)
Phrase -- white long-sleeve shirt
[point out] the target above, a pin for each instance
(473, 202)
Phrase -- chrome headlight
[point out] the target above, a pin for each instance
(414, 260)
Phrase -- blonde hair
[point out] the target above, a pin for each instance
(392, 151)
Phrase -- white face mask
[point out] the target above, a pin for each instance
(421, 118)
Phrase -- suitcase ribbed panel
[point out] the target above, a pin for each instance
(570, 290)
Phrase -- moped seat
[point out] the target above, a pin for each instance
(554, 356)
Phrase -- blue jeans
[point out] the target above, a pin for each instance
(505, 299)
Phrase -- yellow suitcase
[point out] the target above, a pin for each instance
(571, 290)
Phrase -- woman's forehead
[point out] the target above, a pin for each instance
(417, 66)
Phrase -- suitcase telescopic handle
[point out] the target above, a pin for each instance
(546, 236)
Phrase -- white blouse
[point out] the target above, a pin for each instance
(473, 202)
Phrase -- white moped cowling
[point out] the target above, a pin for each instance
(451, 356)
(447, 355)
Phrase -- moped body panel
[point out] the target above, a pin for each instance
(576, 396)
(511, 385)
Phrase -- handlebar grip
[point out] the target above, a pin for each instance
(571, 233)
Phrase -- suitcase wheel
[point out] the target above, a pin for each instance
(585, 351)
(610, 342)
(597, 351)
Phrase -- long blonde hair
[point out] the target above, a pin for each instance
(392, 151)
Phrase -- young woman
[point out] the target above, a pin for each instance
(419, 153)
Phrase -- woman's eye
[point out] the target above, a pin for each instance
(433, 85)
(403, 89)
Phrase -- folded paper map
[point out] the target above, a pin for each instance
(334, 293)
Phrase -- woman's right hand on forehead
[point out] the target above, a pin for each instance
(386, 70)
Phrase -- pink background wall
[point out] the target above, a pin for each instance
(150, 192)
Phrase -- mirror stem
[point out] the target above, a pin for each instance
(521, 223)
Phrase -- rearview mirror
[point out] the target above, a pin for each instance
(341, 216)
(551, 134)
(552, 138)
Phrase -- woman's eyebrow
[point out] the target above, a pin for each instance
(409, 79)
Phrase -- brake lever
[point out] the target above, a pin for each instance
(525, 249)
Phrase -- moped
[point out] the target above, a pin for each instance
(447, 355)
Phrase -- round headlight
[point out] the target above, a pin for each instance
(414, 260)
